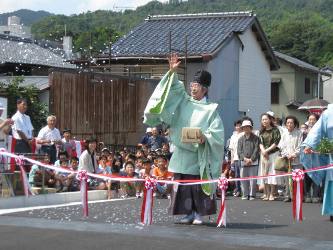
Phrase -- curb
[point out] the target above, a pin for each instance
(49, 199)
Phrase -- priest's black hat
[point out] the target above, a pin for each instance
(203, 77)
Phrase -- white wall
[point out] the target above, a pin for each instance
(44, 97)
(225, 81)
(254, 78)
(328, 87)
(225, 84)
(4, 102)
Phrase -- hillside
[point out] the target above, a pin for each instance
(28, 17)
(301, 28)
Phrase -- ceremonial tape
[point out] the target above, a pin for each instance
(180, 182)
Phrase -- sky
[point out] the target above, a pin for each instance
(69, 7)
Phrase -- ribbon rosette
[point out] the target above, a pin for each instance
(222, 183)
(148, 202)
(222, 217)
(3, 150)
(298, 177)
(150, 183)
(19, 160)
(82, 176)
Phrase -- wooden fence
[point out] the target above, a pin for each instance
(110, 107)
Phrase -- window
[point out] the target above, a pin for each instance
(274, 93)
(307, 86)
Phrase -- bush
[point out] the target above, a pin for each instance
(325, 146)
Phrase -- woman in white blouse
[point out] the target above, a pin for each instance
(289, 145)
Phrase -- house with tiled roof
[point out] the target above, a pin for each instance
(24, 57)
(294, 83)
(231, 45)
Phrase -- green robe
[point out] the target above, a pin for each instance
(170, 104)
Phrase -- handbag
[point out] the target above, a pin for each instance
(281, 164)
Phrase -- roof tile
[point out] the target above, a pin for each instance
(205, 33)
(26, 52)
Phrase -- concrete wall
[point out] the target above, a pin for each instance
(287, 89)
(292, 88)
(300, 76)
(254, 79)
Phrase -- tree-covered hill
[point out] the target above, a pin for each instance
(28, 17)
(301, 28)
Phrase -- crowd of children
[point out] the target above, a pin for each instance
(138, 164)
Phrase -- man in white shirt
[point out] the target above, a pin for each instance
(22, 128)
(48, 137)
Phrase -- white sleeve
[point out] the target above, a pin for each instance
(18, 124)
(41, 134)
(30, 124)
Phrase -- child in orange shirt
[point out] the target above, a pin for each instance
(161, 173)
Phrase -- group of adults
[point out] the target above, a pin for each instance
(273, 149)
(153, 139)
(49, 137)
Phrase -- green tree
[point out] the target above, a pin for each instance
(301, 28)
(36, 110)
(306, 36)
(96, 41)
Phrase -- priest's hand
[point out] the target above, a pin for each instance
(174, 62)
(308, 150)
(202, 139)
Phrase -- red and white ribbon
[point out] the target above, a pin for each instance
(298, 177)
(222, 217)
(25, 181)
(148, 202)
(82, 176)
(3, 160)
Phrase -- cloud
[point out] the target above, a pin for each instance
(68, 7)
(10, 5)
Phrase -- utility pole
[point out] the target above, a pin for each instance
(90, 46)
(185, 73)
(318, 84)
(170, 42)
(110, 44)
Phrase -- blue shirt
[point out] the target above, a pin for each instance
(156, 142)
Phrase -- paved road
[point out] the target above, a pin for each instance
(252, 225)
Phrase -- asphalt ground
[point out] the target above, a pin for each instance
(116, 224)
